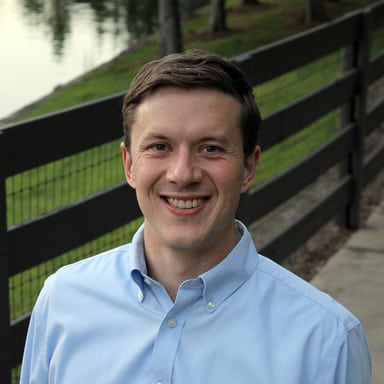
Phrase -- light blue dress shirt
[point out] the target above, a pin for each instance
(247, 320)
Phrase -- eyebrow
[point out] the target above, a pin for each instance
(153, 135)
(160, 136)
(217, 139)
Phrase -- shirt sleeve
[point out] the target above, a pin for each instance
(350, 364)
(34, 368)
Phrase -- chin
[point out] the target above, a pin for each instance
(183, 240)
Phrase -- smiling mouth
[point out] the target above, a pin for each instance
(184, 204)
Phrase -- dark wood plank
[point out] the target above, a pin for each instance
(376, 12)
(19, 329)
(278, 190)
(373, 164)
(376, 69)
(301, 230)
(375, 116)
(270, 61)
(53, 234)
(287, 121)
(5, 337)
(34, 142)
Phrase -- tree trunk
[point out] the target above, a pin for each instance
(315, 10)
(170, 38)
(218, 18)
(249, 2)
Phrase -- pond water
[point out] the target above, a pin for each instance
(45, 43)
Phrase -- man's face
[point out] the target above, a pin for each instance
(187, 165)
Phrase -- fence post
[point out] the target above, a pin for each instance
(347, 114)
(349, 61)
(356, 162)
(5, 351)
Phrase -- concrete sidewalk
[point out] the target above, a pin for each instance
(355, 277)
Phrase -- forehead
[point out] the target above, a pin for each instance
(183, 110)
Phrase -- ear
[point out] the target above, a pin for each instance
(127, 162)
(249, 169)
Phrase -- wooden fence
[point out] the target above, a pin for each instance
(32, 143)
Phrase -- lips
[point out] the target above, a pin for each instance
(184, 204)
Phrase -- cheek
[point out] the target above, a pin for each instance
(145, 174)
(230, 179)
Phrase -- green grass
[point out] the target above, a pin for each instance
(280, 157)
(54, 185)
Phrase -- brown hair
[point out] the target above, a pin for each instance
(195, 69)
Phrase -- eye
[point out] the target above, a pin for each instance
(159, 147)
(212, 149)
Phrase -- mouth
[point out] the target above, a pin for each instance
(184, 204)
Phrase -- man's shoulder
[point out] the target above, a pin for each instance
(74, 287)
(97, 266)
(295, 291)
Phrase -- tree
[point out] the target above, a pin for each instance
(249, 2)
(141, 18)
(218, 17)
(315, 10)
(170, 37)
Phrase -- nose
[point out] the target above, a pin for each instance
(184, 168)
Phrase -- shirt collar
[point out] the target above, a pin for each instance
(220, 281)
(138, 264)
(232, 272)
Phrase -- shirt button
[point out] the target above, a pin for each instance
(147, 281)
(211, 305)
(172, 323)
(140, 295)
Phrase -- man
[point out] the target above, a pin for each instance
(190, 300)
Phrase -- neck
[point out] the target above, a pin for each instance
(171, 267)
(172, 270)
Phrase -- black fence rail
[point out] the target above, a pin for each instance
(28, 242)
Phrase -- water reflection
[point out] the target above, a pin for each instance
(46, 43)
(138, 17)
(55, 14)
(141, 17)
(36, 6)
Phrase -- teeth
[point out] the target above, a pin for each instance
(185, 204)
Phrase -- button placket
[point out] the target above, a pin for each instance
(170, 333)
